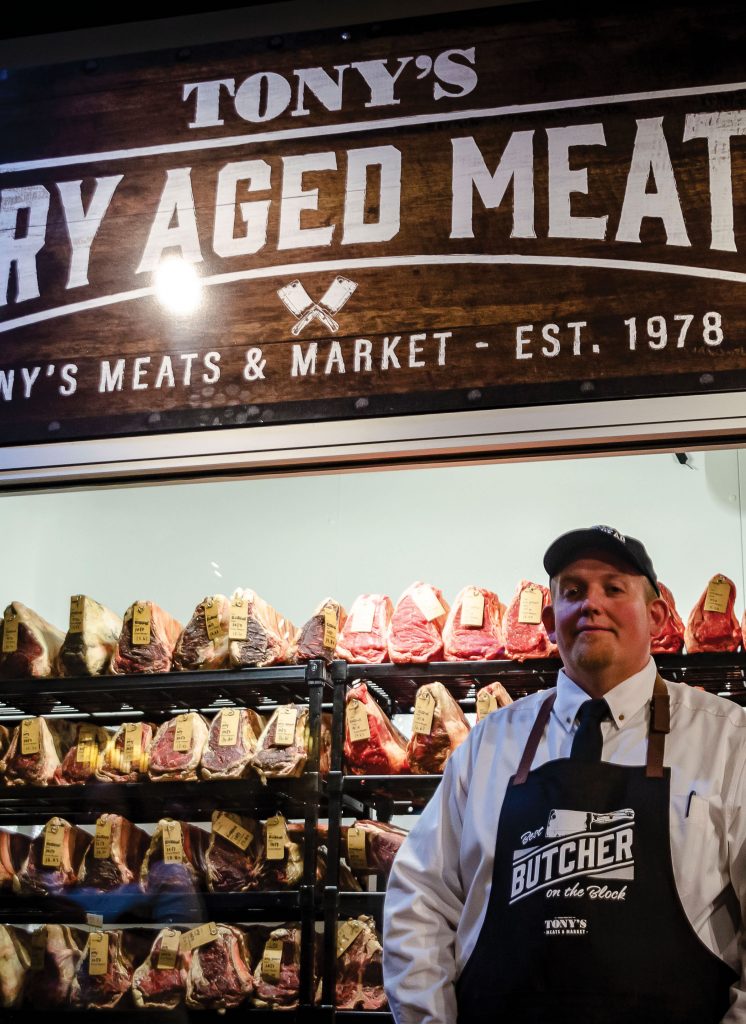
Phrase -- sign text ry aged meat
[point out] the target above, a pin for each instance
(514, 209)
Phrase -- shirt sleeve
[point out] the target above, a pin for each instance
(423, 904)
(736, 818)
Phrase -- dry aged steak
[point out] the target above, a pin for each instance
(280, 993)
(473, 630)
(65, 847)
(360, 968)
(175, 858)
(168, 761)
(525, 636)
(382, 842)
(490, 698)
(81, 761)
(164, 987)
(114, 858)
(231, 743)
(363, 639)
(4, 740)
(285, 872)
(670, 639)
(318, 637)
(90, 641)
(383, 751)
(144, 620)
(13, 853)
(276, 757)
(268, 635)
(36, 644)
(231, 863)
(60, 950)
(219, 975)
(439, 727)
(126, 756)
(204, 641)
(712, 624)
(415, 633)
(37, 768)
(104, 991)
(15, 961)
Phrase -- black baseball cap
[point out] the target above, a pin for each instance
(629, 549)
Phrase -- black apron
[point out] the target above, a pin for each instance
(584, 924)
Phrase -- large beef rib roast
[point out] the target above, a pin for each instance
(204, 642)
(91, 640)
(219, 975)
(176, 749)
(525, 636)
(231, 743)
(29, 645)
(147, 641)
(159, 983)
(473, 629)
(415, 632)
(439, 726)
(712, 624)
(373, 745)
(114, 858)
(363, 639)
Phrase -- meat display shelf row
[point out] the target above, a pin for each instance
(388, 794)
(183, 1015)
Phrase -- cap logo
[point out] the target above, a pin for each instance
(612, 532)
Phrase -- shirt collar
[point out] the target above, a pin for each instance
(624, 700)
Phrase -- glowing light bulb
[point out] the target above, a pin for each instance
(177, 286)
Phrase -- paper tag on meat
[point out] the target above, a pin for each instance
(199, 936)
(102, 839)
(272, 960)
(239, 621)
(212, 619)
(362, 619)
(168, 954)
(39, 949)
(486, 702)
(356, 849)
(231, 830)
(173, 844)
(132, 744)
(529, 608)
(426, 600)
(183, 734)
(287, 716)
(54, 837)
(98, 953)
(358, 726)
(276, 838)
(424, 709)
(472, 609)
(718, 593)
(346, 935)
(141, 625)
(30, 736)
(77, 612)
(330, 628)
(10, 632)
(86, 751)
(230, 719)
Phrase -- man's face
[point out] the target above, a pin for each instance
(601, 618)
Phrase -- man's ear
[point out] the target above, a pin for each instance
(657, 610)
(547, 617)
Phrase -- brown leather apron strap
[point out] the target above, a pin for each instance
(660, 724)
(534, 738)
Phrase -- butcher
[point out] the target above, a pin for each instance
(583, 860)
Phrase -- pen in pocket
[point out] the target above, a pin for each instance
(689, 803)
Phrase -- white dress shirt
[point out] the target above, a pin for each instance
(440, 883)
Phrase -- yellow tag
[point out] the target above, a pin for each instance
(77, 610)
(330, 628)
(169, 951)
(472, 609)
(132, 750)
(357, 721)
(86, 750)
(230, 719)
(10, 631)
(102, 839)
(356, 849)
(54, 836)
(276, 837)
(98, 953)
(239, 622)
(173, 845)
(272, 960)
(183, 734)
(140, 624)
(229, 829)
(212, 619)
(199, 936)
(346, 935)
(30, 736)
(287, 716)
(39, 948)
(486, 702)
(362, 620)
(425, 599)
(529, 609)
(424, 708)
(718, 592)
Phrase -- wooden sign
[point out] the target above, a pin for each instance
(509, 207)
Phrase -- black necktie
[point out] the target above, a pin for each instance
(588, 741)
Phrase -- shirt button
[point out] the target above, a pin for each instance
(621, 718)
(568, 720)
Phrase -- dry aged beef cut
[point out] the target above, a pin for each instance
(285, 872)
(415, 633)
(15, 961)
(4, 740)
(13, 853)
(268, 635)
(235, 848)
(114, 858)
(59, 950)
(147, 641)
(126, 757)
(670, 638)
(231, 743)
(363, 639)
(104, 991)
(318, 637)
(274, 755)
(81, 761)
(177, 748)
(525, 636)
(373, 744)
(280, 993)
(164, 987)
(219, 975)
(204, 642)
(439, 726)
(54, 858)
(712, 624)
(29, 645)
(46, 742)
(473, 629)
(490, 698)
(175, 859)
(382, 842)
(359, 983)
(91, 640)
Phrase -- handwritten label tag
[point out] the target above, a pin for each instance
(276, 837)
(529, 608)
(102, 839)
(140, 624)
(356, 849)
(346, 935)
(212, 619)
(77, 612)
(357, 721)
(230, 719)
(94, 920)
(718, 593)
(239, 621)
(39, 949)
(425, 599)
(168, 953)
(199, 936)
(183, 734)
(227, 827)
(424, 709)
(98, 953)
(173, 844)
(330, 628)
(486, 702)
(287, 716)
(472, 609)
(30, 736)
(132, 750)
(362, 618)
(10, 632)
(272, 960)
(86, 751)
(54, 836)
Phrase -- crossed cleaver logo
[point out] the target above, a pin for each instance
(304, 309)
